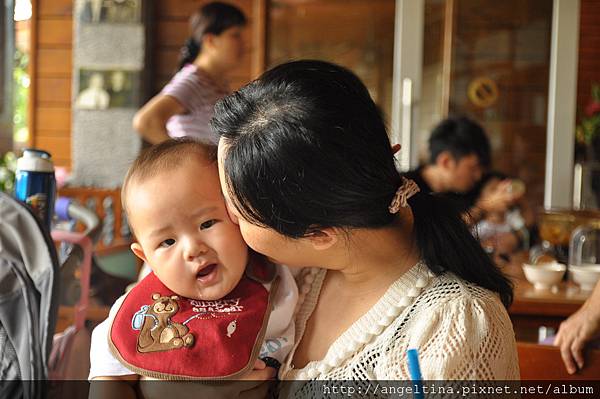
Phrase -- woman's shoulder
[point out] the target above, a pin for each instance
(448, 288)
(463, 332)
(451, 299)
(187, 72)
(190, 76)
(439, 290)
(448, 297)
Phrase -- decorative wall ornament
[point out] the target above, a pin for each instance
(483, 92)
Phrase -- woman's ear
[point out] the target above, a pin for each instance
(136, 248)
(208, 41)
(232, 216)
(323, 238)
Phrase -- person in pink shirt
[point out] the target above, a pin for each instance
(185, 105)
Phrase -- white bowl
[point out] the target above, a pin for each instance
(545, 275)
(586, 275)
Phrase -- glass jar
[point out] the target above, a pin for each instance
(584, 255)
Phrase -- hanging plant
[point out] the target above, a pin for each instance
(589, 126)
(8, 165)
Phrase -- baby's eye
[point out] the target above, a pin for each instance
(167, 243)
(208, 224)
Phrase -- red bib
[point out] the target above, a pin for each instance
(159, 334)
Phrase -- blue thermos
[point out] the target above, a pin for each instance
(35, 183)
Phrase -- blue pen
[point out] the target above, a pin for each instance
(415, 372)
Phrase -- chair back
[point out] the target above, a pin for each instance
(543, 362)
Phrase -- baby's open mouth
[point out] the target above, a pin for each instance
(206, 271)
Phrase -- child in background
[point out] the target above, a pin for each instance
(493, 229)
(202, 313)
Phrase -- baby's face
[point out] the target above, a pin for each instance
(184, 231)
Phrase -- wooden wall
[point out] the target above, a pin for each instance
(51, 62)
(589, 51)
(171, 29)
(50, 105)
(50, 71)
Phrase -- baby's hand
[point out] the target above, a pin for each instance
(259, 365)
(260, 372)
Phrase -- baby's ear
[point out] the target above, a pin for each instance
(136, 248)
(323, 238)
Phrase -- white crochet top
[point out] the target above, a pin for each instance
(462, 332)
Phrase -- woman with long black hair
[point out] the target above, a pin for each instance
(185, 105)
(309, 175)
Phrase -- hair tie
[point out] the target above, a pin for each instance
(407, 189)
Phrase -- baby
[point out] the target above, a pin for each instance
(496, 225)
(210, 307)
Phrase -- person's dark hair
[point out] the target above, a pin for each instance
(166, 156)
(307, 149)
(461, 137)
(214, 18)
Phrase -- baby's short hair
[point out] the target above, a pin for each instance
(166, 156)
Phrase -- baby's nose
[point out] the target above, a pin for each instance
(195, 248)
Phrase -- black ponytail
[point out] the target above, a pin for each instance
(446, 244)
(308, 149)
(188, 53)
(214, 18)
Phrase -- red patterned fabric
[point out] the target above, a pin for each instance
(160, 335)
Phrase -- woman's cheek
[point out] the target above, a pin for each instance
(254, 238)
(233, 217)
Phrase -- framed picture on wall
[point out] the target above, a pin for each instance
(102, 89)
(109, 11)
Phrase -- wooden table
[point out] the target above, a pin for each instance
(533, 308)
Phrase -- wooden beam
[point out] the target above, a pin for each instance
(259, 37)
(449, 13)
(55, 8)
(55, 32)
(56, 119)
(56, 91)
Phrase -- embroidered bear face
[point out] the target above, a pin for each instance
(158, 332)
(165, 304)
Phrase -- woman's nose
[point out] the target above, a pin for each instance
(194, 249)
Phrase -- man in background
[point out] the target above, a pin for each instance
(459, 156)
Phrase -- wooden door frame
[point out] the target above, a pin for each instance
(406, 81)
(562, 104)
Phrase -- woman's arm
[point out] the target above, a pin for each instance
(151, 120)
(575, 332)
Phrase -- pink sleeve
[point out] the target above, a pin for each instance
(186, 88)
